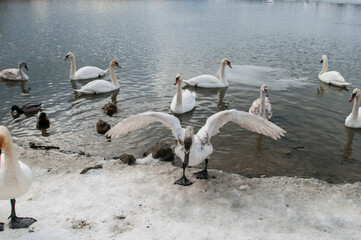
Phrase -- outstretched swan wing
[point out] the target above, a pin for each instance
(244, 119)
(142, 120)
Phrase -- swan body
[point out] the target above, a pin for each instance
(87, 72)
(183, 101)
(15, 73)
(209, 81)
(331, 77)
(15, 178)
(262, 106)
(192, 148)
(354, 119)
(102, 86)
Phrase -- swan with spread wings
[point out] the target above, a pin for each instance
(193, 148)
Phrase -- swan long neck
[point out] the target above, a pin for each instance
(262, 109)
(188, 139)
(113, 78)
(20, 68)
(179, 99)
(356, 107)
(10, 160)
(72, 67)
(325, 66)
(221, 74)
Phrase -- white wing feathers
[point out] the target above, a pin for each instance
(142, 120)
(246, 120)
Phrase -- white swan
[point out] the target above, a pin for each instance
(102, 86)
(331, 77)
(15, 178)
(354, 119)
(183, 101)
(87, 72)
(15, 74)
(192, 148)
(262, 106)
(209, 81)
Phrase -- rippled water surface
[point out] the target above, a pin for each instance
(280, 44)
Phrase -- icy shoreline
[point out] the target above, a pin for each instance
(141, 202)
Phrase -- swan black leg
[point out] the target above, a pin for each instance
(204, 173)
(183, 180)
(16, 222)
(1, 227)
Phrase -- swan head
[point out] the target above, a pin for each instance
(226, 61)
(69, 55)
(114, 63)
(4, 135)
(264, 90)
(178, 78)
(4, 132)
(188, 138)
(355, 93)
(324, 59)
(23, 65)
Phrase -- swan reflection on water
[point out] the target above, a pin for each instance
(221, 104)
(329, 88)
(347, 151)
(14, 83)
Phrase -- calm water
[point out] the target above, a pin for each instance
(279, 44)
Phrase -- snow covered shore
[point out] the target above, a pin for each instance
(141, 202)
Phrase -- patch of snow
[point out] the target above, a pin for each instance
(141, 202)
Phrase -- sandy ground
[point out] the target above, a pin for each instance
(141, 202)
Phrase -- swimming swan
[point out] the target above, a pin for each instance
(102, 86)
(331, 77)
(87, 72)
(15, 74)
(262, 106)
(15, 178)
(183, 101)
(192, 148)
(354, 119)
(209, 81)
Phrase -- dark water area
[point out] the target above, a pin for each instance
(279, 44)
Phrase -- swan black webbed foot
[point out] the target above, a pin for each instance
(16, 222)
(202, 174)
(1, 227)
(183, 180)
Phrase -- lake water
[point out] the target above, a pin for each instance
(280, 44)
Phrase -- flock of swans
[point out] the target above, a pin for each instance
(192, 148)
